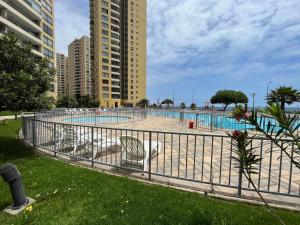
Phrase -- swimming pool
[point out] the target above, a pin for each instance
(216, 121)
(98, 119)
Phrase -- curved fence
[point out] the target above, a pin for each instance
(200, 159)
(91, 116)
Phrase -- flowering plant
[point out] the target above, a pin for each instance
(283, 130)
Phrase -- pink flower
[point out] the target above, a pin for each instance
(247, 115)
(236, 133)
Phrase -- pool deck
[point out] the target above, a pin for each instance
(188, 157)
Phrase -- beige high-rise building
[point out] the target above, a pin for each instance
(62, 67)
(32, 21)
(79, 75)
(118, 51)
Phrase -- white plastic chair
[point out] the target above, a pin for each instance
(136, 151)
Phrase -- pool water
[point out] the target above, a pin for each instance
(217, 121)
(98, 119)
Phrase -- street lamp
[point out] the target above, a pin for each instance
(253, 96)
(270, 82)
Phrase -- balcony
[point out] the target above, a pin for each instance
(20, 20)
(25, 8)
(22, 34)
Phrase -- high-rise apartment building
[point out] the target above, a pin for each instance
(62, 75)
(118, 51)
(32, 21)
(79, 75)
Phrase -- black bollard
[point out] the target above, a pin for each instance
(12, 176)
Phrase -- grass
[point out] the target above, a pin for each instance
(8, 113)
(68, 194)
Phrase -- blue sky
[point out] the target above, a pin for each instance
(196, 47)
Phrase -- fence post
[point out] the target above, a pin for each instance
(92, 146)
(55, 141)
(117, 116)
(150, 158)
(240, 181)
(211, 121)
(33, 130)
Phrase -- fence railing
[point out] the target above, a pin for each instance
(195, 158)
(91, 116)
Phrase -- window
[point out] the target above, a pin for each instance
(104, 32)
(105, 47)
(115, 89)
(47, 41)
(36, 6)
(104, 3)
(47, 30)
(116, 36)
(48, 53)
(46, 17)
(47, 6)
(105, 75)
(104, 88)
(105, 54)
(104, 11)
(105, 67)
(105, 82)
(105, 40)
(105, 60)
(105, 95)
(114, 96)
(104, 18)
(104, 25)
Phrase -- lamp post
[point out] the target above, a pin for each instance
(253, 96)
(270, 82)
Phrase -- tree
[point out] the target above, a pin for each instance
(283, 131)
(284, 95)
(193, 106)
(228, 97)
(25, 78)
(154, 105)
(143, 103)
(182, 105)
(67, 101)
(87, 101)
(167, 102)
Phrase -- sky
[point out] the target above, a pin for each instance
(197, 47)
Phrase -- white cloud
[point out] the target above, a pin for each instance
(219, 34)
(72, 21)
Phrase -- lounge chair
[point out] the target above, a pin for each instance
(55, 136)
(74, 139)
(105, 145)
(80, 139)
(136, 151)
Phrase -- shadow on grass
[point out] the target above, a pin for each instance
(12, 148)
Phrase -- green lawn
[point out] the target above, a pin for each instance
(67, 194)
(8, 113)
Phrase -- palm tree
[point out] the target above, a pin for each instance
(167, 102)
(284, 95)
(143, 103)
(193, 106)
(182, 105)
